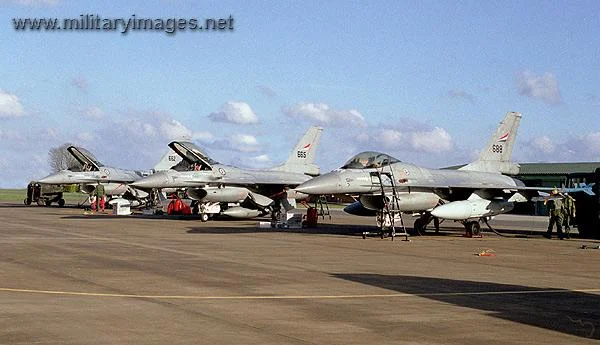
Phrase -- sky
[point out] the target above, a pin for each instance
(427, 82)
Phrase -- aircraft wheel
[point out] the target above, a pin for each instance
(418, 226)
(204, 217)
(61, 202)
(476, 228)
(473, 229)
(48, 202)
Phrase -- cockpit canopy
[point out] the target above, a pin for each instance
(87, 161)
(369, 159)
(193, 154)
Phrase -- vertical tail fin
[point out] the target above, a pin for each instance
(496, 157)
(168, 160)
(302, 157)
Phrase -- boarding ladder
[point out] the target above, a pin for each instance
(391, 206)
(322, 206)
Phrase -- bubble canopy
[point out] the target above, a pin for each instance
(369, 159)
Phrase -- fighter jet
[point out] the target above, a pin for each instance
(470, 194)
(232, 191)
(116, 181)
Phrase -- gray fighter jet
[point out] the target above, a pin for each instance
(116, 181)
(236, 192)
(470, 194)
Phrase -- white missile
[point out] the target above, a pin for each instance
(241, 212)
(470, 209)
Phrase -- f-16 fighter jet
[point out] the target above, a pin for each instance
(236, 192)
(116, 181)
(470, 194)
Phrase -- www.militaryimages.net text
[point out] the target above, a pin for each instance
(94, 22)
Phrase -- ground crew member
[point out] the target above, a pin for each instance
(555, 212)
(93, 202)
(100, 197)
(280, 207)
(176, 206)
(568, 213)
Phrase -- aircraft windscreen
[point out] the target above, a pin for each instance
(369, 159)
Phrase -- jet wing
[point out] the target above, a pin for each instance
(232, 176)
(463, 190)
(260, 178)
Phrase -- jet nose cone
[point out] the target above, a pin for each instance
(324, 184)
(61, 177)
(158, 180)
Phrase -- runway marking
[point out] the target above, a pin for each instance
(267, 297)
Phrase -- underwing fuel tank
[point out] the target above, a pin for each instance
(469, 209)
(216, 194)
(109, 188)
(357, 209)
(241, 212)
(408, 202)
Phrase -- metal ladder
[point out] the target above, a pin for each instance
(322, 207)
(391, 206)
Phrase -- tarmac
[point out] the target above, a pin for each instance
(71, 278)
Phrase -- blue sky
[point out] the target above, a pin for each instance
(426, 82)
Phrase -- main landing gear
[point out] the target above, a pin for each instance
(472, 228)
(421, 223)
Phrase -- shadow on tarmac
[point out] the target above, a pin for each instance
(570, 312)
(326, 229)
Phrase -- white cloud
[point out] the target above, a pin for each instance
(237, 142)
(322, 113)
(10, 106)
(235, 112)
(140, 138)
(592, 141)
(86, 137)
(390, 138)
(585, 147)
(543, 87)
(461, 94)
(543, 144)
(11, 135)
(172, 130)
(94, 113)
(80, 82)
(267, 91)
(244, 139)
(436, 140)
(261, 159)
